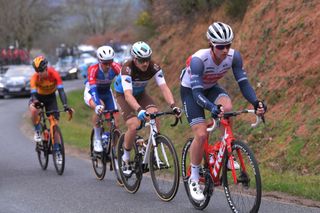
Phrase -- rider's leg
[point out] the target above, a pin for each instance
(196, 149)
(130, 135)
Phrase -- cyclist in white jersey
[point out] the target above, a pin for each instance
(200, 90)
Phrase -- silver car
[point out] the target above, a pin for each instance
(16, 81)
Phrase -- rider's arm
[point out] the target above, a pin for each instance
(161, 82)
(126, 82)
(241, 77)
(33, 88)
(62, 94)
(92, 77)
(197, 67)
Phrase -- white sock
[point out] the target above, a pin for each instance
(126, 155)
(195, 172)
(97, 133)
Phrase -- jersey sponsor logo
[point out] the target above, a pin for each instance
(128, 79)
(160, 75)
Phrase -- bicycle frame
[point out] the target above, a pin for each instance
(152, 138)
(225, 144)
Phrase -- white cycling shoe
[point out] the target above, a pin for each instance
(97, 147)
(195, 190)
(37, 137)
(235, 163)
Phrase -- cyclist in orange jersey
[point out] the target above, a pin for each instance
(44, 83)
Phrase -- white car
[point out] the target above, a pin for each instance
(16, 81)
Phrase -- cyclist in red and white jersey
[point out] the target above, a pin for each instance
(200, 90)
(98, 94)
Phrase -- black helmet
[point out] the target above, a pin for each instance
(40, 63)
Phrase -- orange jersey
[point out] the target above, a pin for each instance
(46, 85)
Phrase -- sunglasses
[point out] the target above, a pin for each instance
(222, 46)
(143, 60)
(109, 62)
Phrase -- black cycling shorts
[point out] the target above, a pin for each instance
(50, 103)
(194, 112)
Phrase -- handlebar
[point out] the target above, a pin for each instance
(215, 122)
(40, 105)
(158, 114)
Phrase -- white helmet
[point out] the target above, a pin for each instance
(141, 49)
(219, 33)
(105, 53)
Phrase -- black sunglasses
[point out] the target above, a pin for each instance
(222, 46)
(108, 62)
(143, 60)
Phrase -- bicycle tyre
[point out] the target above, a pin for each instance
(166, 184)
(131, 183)
(58, 140)
(186, 171)
(116, 133)
(43, 154)
(98, 160)
(245, 196)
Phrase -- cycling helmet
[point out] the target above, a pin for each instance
(105, 53)
(40, 63)
(141, 49)
(219, 33)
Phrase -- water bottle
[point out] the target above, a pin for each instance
(211, 158)
(105, 139)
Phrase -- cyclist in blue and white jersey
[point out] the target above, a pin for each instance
(132, 96)
(97, 93)
(200, 90)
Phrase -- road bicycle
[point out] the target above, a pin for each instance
(109, 136)
(242, 186)
(51, 139)
(157, 155)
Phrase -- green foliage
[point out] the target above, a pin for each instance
(145, 21)
(307, 186)
(236, 8)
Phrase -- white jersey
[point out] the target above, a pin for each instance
(211, 72)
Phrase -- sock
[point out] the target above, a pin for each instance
(126, 155)
(37, 127)
(195, 172)
(97, 133)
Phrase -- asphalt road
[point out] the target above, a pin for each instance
(26, 188)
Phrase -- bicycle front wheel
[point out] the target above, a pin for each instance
(245, 195)
(114, 154)
(186, 173)
(43, 154)
(164, 168)
(58, 154)
(130, 173)
(98, 159)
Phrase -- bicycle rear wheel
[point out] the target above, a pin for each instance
(114, 154)
(58, 154)
(245, 196)
(186, 172)
(43, 153)
(132, 181)
(164, 168)
(98, 159)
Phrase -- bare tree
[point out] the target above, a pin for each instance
(23, 21)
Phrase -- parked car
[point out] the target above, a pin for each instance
(67, 67)
(85, 60)
(16, 81)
